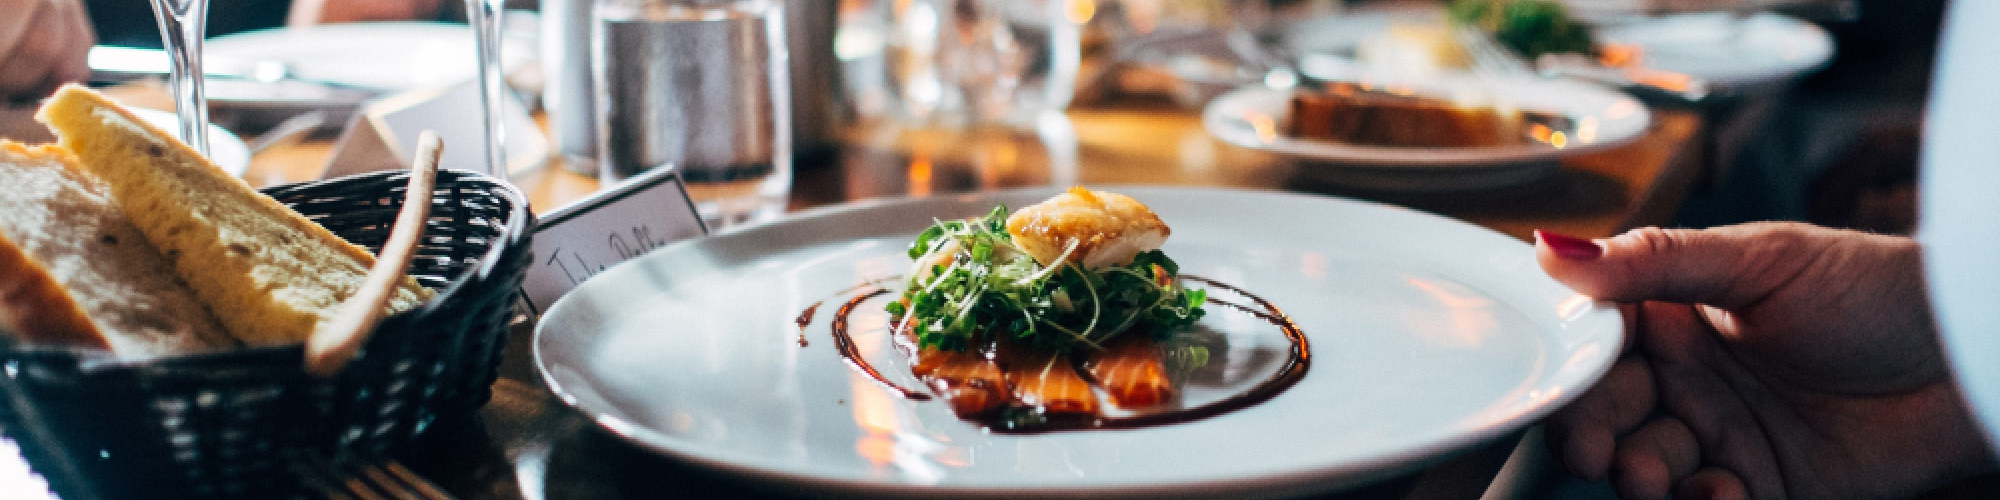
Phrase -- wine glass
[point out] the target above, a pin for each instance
(183, 23)
(485, 18)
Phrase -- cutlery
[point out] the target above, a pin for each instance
(233, 79)
(1489, 57)
(1645, 82)
(114, 63)
(288, 131)
(257, 94)
(366, 480)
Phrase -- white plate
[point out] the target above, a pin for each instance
(1428, 336)
(1610, 10)
(1345, 33)
(1728, 50)
(376, 55)
(1254, 117)
(225, 149)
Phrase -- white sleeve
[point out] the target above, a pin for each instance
(1961, 202)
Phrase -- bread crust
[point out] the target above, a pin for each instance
(33, 305)
(269, 274)
(36, 308)
(75, 271)
(74, 101)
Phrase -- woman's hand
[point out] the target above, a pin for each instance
(1768, 360)
(43, 44)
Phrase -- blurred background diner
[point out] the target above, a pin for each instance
(1630, 113)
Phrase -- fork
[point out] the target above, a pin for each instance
(1488, 57)
(366, 480)
(1491, 58)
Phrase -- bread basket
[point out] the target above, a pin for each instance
(229, 424)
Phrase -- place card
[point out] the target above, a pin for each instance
(584, 238)
(383, 135)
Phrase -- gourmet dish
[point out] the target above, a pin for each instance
(1063, 315)
(1348, 114)
(1354, 116)
(121, 238)
(1077, 280)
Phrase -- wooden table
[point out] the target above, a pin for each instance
(1600, 194)
(527, 445)
(1594, 195)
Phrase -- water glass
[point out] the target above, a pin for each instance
(1205, 46)
(183, 25)
(566, 88)
(485, 16)
(955, 62)
(701, 86)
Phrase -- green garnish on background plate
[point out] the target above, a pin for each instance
(1529, 27)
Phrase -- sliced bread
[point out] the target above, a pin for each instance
(269, 274)
(75, 271)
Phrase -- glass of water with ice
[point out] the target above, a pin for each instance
(701, 86)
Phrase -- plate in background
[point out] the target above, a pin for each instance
(373, 55)
(1731, 51)
(225, 149)
(1255, 117)
(1429, 336)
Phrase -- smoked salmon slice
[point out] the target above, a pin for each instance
(1132, 371)
(970, 382)
(1050, 382)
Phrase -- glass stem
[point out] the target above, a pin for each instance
(183, 23)
(485, 18)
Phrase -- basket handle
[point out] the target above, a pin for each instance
(335, 340)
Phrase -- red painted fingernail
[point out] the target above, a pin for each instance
(1570, 247)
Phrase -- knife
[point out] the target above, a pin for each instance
(114, 63)
(263, 93)
(118, 64)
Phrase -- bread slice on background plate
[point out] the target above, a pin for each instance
(75, 271)
(269, 274)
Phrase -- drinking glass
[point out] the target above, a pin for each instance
(701, 86)
(959, 62)
(566, 88)
(183, 23)
(1206, 46)
(485, 18)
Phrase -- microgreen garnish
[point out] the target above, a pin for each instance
(970, 280)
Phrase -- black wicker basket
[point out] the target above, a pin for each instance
(224, 425)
